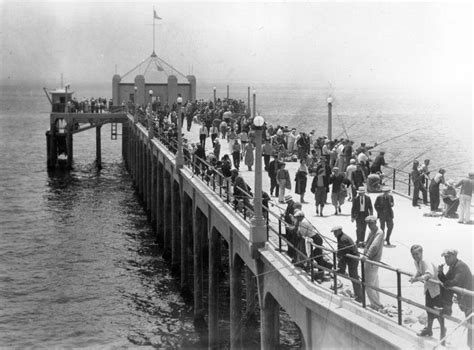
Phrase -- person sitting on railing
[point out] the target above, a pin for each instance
(241, 191)
(226, 166)
(450, 199)
(459, 275)
(308, 246)
(345, 246)
(289, 219)
(426, 273)
(199, 156)
(265, 202)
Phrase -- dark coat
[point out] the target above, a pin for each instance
(368, 210)
(384, 205)
(300, 182)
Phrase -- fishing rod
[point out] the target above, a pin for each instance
(396, 137)
(450, 165)
(343, 126)
(345, 131)
(412, 157)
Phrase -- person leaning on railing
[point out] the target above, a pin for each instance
(345, 246)
(459, 275)
(426, 273)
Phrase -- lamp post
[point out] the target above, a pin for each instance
(329, 100)
(248, 99)
(258, 234)
(254, 110)
(151, 96)
(66, 87)
(179, 153)
(214, 88)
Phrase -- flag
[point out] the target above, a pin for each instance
(155, 16)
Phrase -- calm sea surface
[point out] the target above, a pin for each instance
(78, 263)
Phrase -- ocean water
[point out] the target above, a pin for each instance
(79, 266)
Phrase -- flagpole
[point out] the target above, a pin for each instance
(153, 30)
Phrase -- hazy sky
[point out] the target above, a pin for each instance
(400, 44)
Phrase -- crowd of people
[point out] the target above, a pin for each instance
(337, 167)
(91, 105)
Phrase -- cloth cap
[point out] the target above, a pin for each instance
(298, 213)
(370, 218)
(288, 198)
(335, 168)
(335, 228)
(450, 182)
(450, 252)
(361, 189)
(352, 161)
(385, 189)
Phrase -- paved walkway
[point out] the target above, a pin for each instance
(411, 227)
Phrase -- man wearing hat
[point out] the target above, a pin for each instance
(465, 198)
(373, 251)
(272, 169)
(345, 246)
(458, 275)
(384, 207)
(361, 208)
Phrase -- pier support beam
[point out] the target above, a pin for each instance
(175, 226)
(98, 147)
(236, 274)
(153, 187)
(125, 144)
(186, 231)
(160, 204)
(214, 264)
(146, 176)
(270, 328)
(69, 147)
(167, 215)
(199, 229)
(250, 293)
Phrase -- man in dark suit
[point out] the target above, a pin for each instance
(272, 169)
(383, 205)
(345, 246)
(361, 208)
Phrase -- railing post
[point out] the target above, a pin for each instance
(334, 264)
(409, 184)
(399, 297)
(228, 191)
(393, 178)
(362, 270)
(279, 234)
(268, 223)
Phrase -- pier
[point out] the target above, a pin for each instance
(205, 236)
(198, 228)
